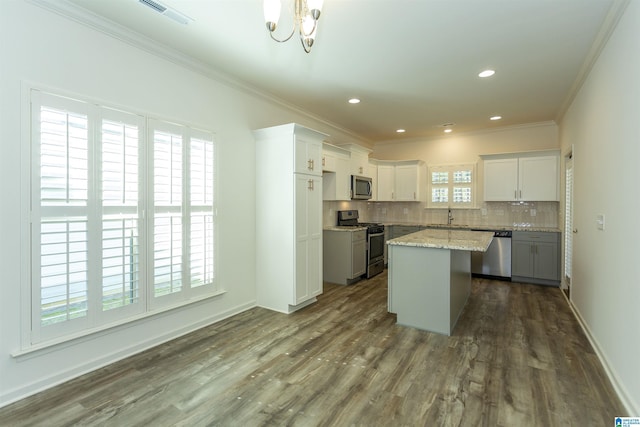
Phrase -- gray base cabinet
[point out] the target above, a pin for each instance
(535, 257)
(344, 256)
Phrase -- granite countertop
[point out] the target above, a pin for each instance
(343, 228)
(463, 240)
(515, 227)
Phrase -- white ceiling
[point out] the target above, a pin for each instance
(413, 63)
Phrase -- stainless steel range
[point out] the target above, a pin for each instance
(375, 240)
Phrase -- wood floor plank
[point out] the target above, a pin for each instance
(516, 357)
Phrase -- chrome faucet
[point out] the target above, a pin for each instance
(449, 217)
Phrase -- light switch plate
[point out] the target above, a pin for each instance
(533, 212)
(600, 221)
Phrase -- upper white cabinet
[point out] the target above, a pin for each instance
(288, 217)
(308, 156)
(525, 177)
(359, 159)
(401, 181)
(373, 173)
(386, 182)
(336, 163)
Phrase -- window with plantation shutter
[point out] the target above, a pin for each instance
(183, 213)
(568, 219)
(452, 186)
(122, 217)
(201, 208)
(61, 207)
(167, 211)
(120, 197)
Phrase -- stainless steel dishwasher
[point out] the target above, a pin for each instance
(496, 261)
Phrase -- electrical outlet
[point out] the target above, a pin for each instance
(484, 211)
(405, 211)
(600, 221)
(533, 212)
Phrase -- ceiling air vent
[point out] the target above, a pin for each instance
(166, 11)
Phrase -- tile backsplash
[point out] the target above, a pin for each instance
(521, 214)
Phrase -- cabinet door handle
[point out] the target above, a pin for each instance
(324, 161)
(521, 194)
(310, 164)
(515, 194)
(310, 186)
(414, 195)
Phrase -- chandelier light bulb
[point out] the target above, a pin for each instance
(305, 20)
(272, 10)
(315, 7)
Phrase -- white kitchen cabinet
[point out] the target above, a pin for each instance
(401, 181)
(407, 183)
(308, 238)
(522, 178)
(386, 182)
(336, 176)
(308, 156)
(373, 173)
(289, 217)
(359, 159)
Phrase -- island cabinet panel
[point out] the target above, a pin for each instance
(288, 217)
(535, 257)
(430, 276)
(428, 288)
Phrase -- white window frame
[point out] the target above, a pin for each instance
(449, 186)
(34, 334)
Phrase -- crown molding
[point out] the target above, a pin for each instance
(125, 35)
(468, 133)
(616, 11)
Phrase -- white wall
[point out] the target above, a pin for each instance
(467, 147)
(603, 124)
(51, 51)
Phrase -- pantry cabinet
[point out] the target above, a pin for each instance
(521, 178)
(401, 181)
(289, 217)
(535, 257)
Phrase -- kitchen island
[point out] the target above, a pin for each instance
(430, 276)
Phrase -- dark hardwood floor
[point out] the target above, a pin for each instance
(517, 358)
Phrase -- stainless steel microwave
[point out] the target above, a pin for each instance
(360, 187)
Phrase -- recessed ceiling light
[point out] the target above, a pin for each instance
(495, 118)
(448, 130)
(401, 131)
(486, 73)
(354, 101)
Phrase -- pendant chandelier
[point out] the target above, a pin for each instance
(305, 20)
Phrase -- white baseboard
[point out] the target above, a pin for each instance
(621, 391)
